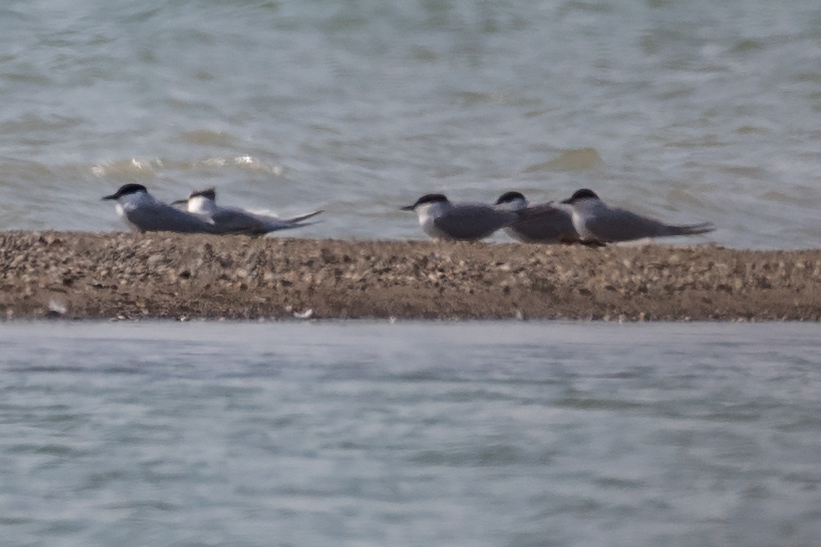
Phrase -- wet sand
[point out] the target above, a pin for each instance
(164, 275)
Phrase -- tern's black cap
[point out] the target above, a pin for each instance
(208, 193)
(427, 198)
(507, 197)
(584, 193)
(127, 189)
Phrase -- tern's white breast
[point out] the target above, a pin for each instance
(131, 202)
(583, 211)
(428, 213)
(201, 206)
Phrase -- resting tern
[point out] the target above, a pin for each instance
(443, 219)
(594, 220)
(541, 223)
(143, 212)
(234, 219)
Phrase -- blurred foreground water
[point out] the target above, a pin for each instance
(360, 433)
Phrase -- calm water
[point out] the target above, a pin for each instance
(496, 434)
(690, 111)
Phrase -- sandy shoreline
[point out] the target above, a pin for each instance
(164, 275)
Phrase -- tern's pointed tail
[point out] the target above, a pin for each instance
(299, 218)
(273, 224)
(690, 229)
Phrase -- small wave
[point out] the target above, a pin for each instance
(151, 167)
(244, 162)
(208, 137)
(29, 123)
(781, 197)
(570, 160)
(132, 166)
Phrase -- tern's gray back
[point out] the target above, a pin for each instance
(613, 224)
(544, 224)
(473, 221)
(235, 219)
(159, 217)
(230, 220)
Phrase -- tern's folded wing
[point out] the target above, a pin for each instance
(234, 221)
(163, 217)
(620, 225)
(473, 222)
(545, 223)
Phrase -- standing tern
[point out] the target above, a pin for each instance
(443, 219)
(144, 213)
(594, 220)
(234, 219)
(541, 223)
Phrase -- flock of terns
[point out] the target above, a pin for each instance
(582, 218)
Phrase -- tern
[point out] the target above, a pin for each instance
(443, 219)
(541, 223)
(144, 213)
(594, 220)
(234, 219)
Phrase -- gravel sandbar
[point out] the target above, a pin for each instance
(165, 275)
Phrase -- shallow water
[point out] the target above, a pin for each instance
(689, 111)
(493, 433)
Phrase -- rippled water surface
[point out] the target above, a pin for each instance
(513, 434)
(689, 111)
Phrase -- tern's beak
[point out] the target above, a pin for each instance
(180, 202)
(408, 208)
(112, 196)
(566, 201)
